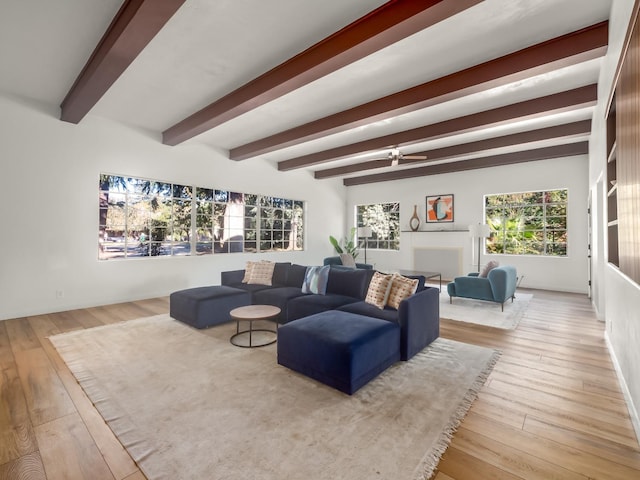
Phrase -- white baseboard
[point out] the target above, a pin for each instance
(633, 412)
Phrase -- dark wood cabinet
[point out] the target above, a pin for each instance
(623, 160)
(612, 186)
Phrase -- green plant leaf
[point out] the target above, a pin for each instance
(335, 244)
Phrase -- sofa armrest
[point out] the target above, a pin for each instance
(419, 319)
(473, 287)
(231, 277)
(503, 282)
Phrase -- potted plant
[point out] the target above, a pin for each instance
(347, 245)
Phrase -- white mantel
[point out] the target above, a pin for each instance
(447, 251)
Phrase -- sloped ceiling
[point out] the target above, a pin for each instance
(330, 87)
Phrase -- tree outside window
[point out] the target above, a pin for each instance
(528, 223)
(146, 218)
(384, 220)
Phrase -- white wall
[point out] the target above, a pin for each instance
(564, 274)
(49, 210)
(619, 296)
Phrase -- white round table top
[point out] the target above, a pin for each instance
(254, 312)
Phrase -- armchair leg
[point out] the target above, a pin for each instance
(502, 306)
(450, 300)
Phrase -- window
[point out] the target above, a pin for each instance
(384, 220)
(530, 223)
(146, 218)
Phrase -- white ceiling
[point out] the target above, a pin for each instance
(211, 47)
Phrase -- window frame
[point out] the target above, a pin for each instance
(550, 214)
(379, 240)
(189, 220)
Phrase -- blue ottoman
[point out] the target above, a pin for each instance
(204, 307)
(340, 349)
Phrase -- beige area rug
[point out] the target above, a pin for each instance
(187, 404)
(485, 313)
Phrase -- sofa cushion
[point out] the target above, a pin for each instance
(378, 291)
(349, 282)
(309, 304)
(278, 297)
(295, 275)
(364, 308)
(280, 273)
(315, 280)
(203, 307)
(251, 288)
(339, 349)
(401, 288)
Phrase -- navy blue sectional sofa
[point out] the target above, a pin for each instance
(418, 316)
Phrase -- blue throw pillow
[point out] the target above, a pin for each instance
(315, 280)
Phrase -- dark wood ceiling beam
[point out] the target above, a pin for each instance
(131, 30)
(580, 46)
(582, 97)
(566, 131)
(546, 153)
(393, 21)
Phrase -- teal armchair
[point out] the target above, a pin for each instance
(498, 286)
(336, 261)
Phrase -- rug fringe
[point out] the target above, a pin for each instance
(430, 462)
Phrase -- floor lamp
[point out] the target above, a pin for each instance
(479, 231)
(364, 232)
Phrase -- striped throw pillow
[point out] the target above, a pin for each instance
(316, 279)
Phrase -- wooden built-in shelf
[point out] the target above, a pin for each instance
(612, 185)
(611, 157)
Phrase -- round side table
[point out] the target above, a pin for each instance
(252, 313)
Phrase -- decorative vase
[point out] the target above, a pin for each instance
(414, 221)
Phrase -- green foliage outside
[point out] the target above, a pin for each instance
(529, 223)
(141, 217)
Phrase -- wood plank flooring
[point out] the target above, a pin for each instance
(551, 409)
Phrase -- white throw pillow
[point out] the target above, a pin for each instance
(348, 260)
(488, 267)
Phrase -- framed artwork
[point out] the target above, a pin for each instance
(439, 208)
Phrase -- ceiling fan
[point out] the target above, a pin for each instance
(396, 157)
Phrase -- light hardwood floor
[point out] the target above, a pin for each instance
(551, 409)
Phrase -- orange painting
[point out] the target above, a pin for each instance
(439, 208)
